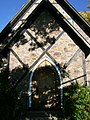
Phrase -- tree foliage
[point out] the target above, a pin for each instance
(86, 15)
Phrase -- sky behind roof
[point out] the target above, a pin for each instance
(9, 8)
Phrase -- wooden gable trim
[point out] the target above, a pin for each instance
(83, 24)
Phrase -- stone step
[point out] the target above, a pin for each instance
(43, 115)
(44, 118)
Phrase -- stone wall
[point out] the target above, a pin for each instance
(51, 41)
(45, 30)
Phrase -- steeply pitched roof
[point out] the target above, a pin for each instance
(34, 9)
(75, 15)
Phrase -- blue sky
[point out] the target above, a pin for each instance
(8, 9)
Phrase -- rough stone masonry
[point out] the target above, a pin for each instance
(45, 29)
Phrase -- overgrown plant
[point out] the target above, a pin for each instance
(8, 98)
(77, 102)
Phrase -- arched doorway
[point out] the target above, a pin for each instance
(44, 83)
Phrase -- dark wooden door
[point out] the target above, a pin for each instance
(45, 94)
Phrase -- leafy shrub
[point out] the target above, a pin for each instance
(8, 98)
(77, 102)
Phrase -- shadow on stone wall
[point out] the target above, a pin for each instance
(13, 103)
(40, 32)
(45, 92)
(45, 96)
